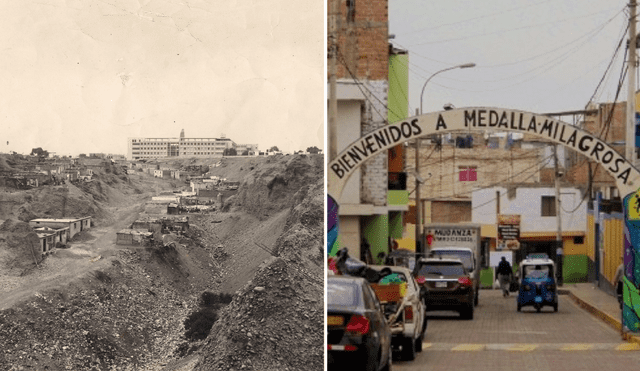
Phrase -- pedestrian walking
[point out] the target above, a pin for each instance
(505, 274)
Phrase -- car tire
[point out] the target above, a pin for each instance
(467, 312)
(555, 307)
(389, 364)
(418, 344)
(476, 299)
(519, 307)
(373, 364)
(408, 349)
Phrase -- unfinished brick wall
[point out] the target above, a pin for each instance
(493, 167)
(363, 55)
(363, 42)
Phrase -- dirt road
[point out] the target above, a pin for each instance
(89, 251)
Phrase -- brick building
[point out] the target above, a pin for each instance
(369, 210)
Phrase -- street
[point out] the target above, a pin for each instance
(500, 338)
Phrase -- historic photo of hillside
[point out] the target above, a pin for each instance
(162, 186)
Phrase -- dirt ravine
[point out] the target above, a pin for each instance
(67, 265)
(102, 306)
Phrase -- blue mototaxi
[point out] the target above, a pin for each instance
(537, 284)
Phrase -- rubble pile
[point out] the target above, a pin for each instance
(117, 319)
(275, 185)
(275, 322)
(19, 248)
(128, 312)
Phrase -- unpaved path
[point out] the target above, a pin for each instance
(91, 253)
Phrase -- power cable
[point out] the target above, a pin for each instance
(513, 29)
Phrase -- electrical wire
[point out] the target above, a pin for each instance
(492, 199)
(512, 29)
(466, 21)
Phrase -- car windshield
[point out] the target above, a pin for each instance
(537, 271)
(441, 270)
(343, 294)
(464, 256)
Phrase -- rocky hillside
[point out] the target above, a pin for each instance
(128, 310)
(275, 322)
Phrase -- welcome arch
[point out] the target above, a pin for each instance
(480, 119)
(476, 119)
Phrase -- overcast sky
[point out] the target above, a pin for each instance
(534, 55)
(81, 76)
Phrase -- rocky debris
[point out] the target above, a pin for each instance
(120, 319)
(130, 315)
(275, 186)
(274, 323)
(19, 247)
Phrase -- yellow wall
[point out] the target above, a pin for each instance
(612, 242)
(571, 248)
(614, 246)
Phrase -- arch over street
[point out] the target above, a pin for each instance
(480, 119)
(475, 119)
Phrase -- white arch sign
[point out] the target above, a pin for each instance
(342, 167)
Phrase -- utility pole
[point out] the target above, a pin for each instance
(630, 142)
(559, 245)
(333, 100)
(419, 248)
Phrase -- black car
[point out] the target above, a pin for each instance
(358, 336)
(447, 284)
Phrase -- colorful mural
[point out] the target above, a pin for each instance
(631, 295)
(332, 226)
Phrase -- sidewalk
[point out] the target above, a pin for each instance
(598, 303)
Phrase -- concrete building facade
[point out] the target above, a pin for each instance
(148, 148)
(366, 216)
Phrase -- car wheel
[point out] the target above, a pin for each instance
(374, 362)
(408, 349)
(418, 344)
(475, 300)
(555, 307)
(519, 307)
(388, 366)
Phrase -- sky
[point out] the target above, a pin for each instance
(82, 76)
(541, 56)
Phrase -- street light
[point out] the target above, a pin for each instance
(418, 201)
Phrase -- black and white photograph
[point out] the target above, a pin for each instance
(162, 185)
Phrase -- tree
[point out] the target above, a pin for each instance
(230, 152)
(313, 150)
(39, 152)
(274, 149)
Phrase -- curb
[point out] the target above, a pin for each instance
(609, 320)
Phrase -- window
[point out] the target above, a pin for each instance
(548, 206)
(468, 173)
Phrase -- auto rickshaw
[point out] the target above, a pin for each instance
(537, 284)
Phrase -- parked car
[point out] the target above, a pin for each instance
(405, 312)
(358, 336)
(448, 285)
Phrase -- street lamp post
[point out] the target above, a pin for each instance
(418, 200)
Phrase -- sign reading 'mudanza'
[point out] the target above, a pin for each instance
(480, 119)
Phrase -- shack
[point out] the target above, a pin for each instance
(134, 237)
(75, 225)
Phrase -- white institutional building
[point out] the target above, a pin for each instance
(148, 148)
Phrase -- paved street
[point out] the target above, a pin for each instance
(500, 338)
